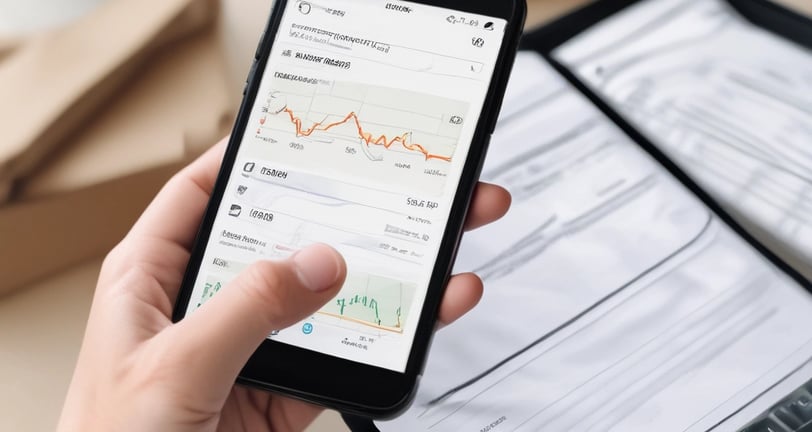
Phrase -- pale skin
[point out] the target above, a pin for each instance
(137, 371)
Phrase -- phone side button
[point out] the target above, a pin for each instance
(250, 77)
(259, 46)
(252, 71)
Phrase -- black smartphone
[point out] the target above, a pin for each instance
(365, 124)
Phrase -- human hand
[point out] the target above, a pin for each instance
(138, 371)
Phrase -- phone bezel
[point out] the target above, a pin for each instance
(327, 380)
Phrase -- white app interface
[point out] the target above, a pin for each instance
(358, 137)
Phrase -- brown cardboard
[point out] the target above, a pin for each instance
(7, 46)
(57, 80)
(803, 6)
(179, 100)
(542, 11)
(45, 236)
(84, 199)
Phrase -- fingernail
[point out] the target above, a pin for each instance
(319, 267)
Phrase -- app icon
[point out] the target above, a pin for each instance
(235, 211)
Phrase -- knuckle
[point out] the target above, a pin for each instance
(113, 258)
(176, 180)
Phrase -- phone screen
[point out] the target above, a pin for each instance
(357, 138)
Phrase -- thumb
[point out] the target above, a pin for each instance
(216, 341)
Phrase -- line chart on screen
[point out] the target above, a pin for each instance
(378, 134)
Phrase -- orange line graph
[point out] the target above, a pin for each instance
(370, 140)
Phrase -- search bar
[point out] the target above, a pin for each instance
(400, 57)
(424, 61)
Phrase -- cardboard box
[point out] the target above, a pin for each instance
(86, 195)
(56, 82)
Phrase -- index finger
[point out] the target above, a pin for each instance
(175, 213)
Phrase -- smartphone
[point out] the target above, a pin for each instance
(364, 126)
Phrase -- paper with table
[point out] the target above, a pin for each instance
(730, 102)
(615, 300)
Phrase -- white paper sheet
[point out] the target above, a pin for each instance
(615, 300)
(730, 102)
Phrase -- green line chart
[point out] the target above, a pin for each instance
(373, 301)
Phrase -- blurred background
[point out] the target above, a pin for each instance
(103, 100)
